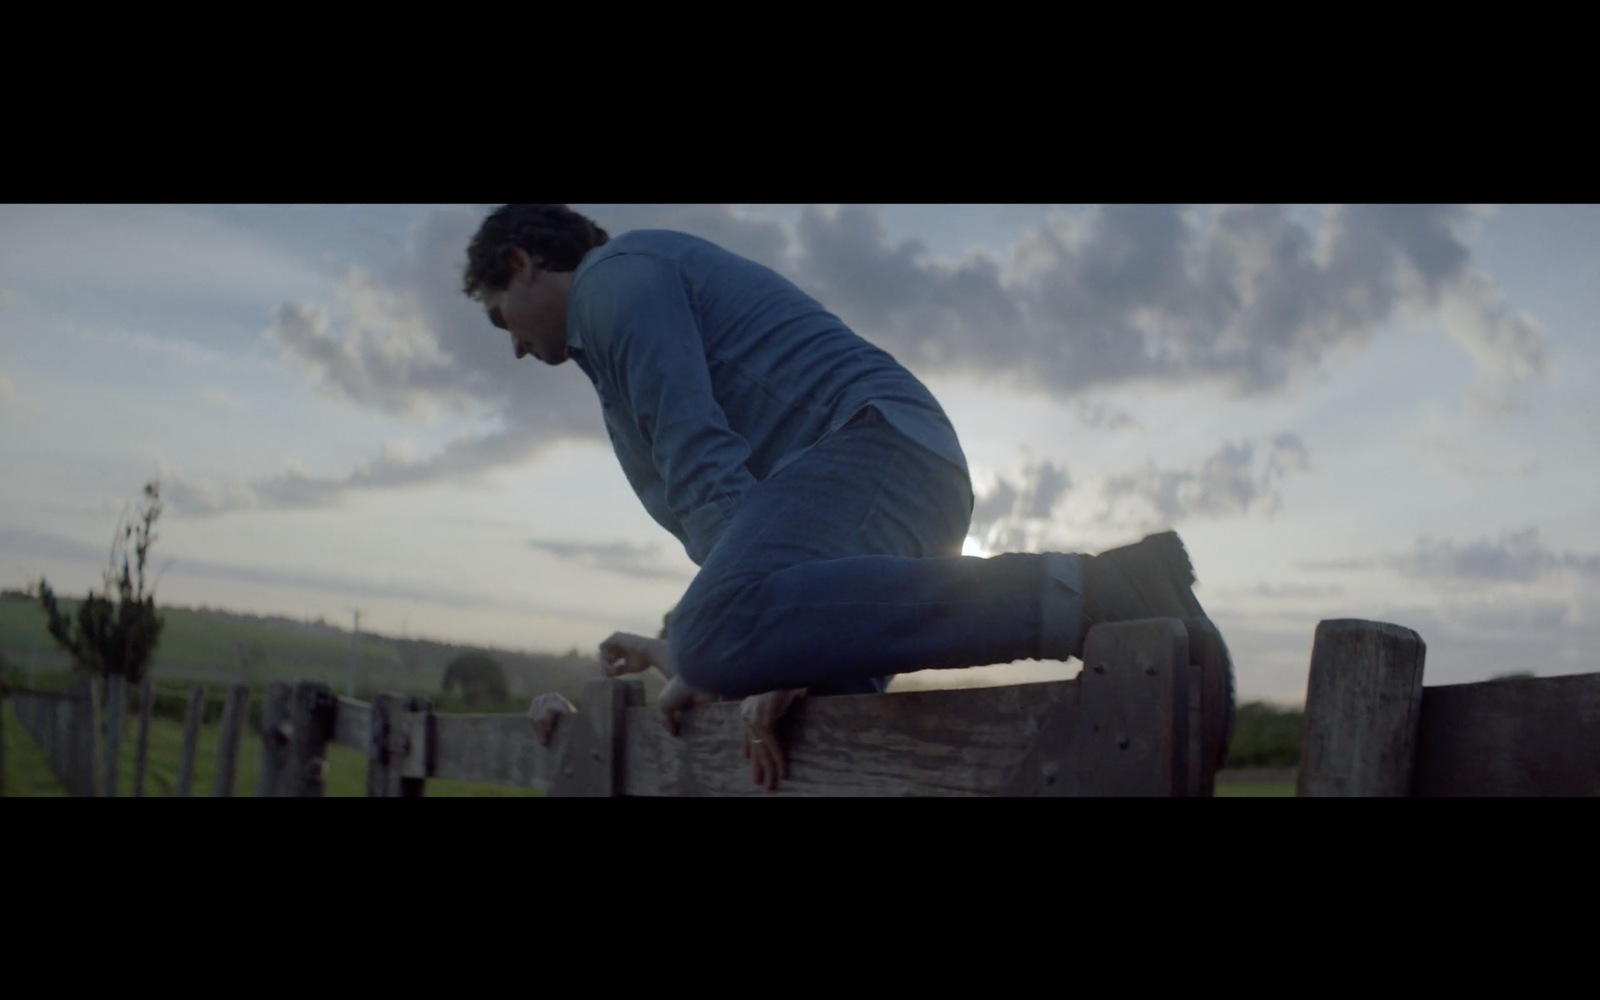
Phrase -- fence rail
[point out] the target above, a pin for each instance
(1374, 729)
(1129, 724)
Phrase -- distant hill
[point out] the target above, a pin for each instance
(218, 647)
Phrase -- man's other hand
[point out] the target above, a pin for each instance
(543, 713)
(626, 653)
(761, 713)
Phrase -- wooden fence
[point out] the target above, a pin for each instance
(82, 739)
(1127, 725)
(1374, 729)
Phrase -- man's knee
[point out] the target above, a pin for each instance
(709, 641)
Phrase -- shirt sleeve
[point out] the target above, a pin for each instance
(639, 329)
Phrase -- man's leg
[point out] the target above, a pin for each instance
(845, 567)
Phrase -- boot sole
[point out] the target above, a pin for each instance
(1163, 557)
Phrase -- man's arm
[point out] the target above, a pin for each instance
(639, 329)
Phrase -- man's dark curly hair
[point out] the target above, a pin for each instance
(553, 234)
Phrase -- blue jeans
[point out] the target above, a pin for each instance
(845, 568)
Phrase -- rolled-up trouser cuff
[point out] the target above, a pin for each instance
(1061, 607)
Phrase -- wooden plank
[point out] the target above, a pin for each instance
(417, 730)
(233, 713)
(352, 724)
(147, 693)
(924, 743)
(591, 759)
(1131, 736)
(1536, 736)
(116, 688)
(191, 739)
(1363, 704)
(383, 777)
(311, 721)
(274, 741)
(496, 749)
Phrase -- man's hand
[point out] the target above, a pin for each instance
(626, 653)
(761, 744)
(676, 698)
(544, 712)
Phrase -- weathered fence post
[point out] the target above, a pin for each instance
(116, 686)
(592, 764)
(400, 748)
(274, 741)
(83, 716)
(311, 722)
(191, 739)
(233, 714)
(146, 699)
(1363, 704)
(1127, 731)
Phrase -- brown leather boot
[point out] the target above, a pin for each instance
(1153, 578)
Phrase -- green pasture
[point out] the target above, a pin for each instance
(195, 643)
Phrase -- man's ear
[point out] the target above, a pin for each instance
(521, 263)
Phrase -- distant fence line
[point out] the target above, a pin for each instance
(1127, 725)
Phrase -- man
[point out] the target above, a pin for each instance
(815, 481)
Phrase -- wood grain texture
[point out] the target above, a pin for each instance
(233, 713)
(925, 743)
(400, 747)
(191, 739)
(274, 741)
(1133, 725)
(1536, 736)
(497, 749)
(147, 696)
(311, 718)
(592, 757)
(352, 724)
(1363, 705)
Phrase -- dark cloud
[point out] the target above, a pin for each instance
(1248, 297)
(1231, 482)
(1516, 556)
(622, 558)
(463, 460)
(1243, 295)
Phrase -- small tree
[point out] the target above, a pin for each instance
(115, 636)
(478, 677)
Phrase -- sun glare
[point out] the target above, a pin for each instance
(973, 547)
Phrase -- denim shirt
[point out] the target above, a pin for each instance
(714, 372)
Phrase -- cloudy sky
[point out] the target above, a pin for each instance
(1347, 411)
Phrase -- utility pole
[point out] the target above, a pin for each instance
(350, 681)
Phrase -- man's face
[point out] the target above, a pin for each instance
(532, 309)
